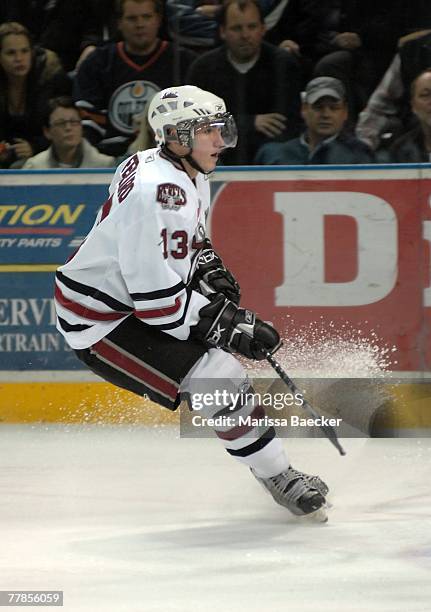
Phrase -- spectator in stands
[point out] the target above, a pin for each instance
(105, 15)
(116, 82)
(388, 111)
(259, 82)
(303, 27)
(415, 146)
(63, 129)
(62, 26)
(27, 77)
(363, 46)
(325, 113)
(193, 23)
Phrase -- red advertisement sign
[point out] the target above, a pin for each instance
(334, 252)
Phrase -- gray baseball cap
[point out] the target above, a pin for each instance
(323, 86)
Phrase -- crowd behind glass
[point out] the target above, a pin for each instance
(308, 81)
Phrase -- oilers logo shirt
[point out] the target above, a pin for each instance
(113, 88)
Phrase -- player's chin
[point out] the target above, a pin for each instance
(211, 163)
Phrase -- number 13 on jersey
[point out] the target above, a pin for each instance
(175, 245)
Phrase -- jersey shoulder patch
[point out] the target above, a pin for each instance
(171, 196)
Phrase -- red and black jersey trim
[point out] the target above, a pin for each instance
(256, 446)
(181, 320)
(85, 311)
(96, 294)
(158, 293)
(106, 208)
(163, 311)
(68, 327)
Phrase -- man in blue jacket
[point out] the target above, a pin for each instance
(324, 110)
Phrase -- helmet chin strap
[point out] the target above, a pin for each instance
(188, 157)
(194, 164)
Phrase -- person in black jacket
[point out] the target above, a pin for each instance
(363, 46)
(388, 112)
(260, 83)
(28, 77)
(304, 27)
(415, 145)
(115, 83)
(62, 26)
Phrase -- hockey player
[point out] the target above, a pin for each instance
(147, 303)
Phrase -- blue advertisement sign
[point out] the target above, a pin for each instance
(40, 226)
(28, 337)
(43, 224)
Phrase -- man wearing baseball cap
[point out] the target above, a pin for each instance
(325, 139)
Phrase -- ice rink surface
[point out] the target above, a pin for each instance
(138, 520)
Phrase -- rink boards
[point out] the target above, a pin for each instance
(406, 414)
(323, 253)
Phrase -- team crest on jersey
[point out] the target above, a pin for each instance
(171, 196)
(128, 104)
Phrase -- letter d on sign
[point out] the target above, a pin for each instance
(304, 249)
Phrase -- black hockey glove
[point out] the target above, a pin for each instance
(234, 329)
(211, 276)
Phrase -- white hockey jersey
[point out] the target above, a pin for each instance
(139, 256)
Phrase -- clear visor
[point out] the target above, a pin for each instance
(222, 123)
(225, 123)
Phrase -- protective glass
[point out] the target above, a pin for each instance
(223, 122)
(187, 130)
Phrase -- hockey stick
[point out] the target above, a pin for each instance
(328, 430)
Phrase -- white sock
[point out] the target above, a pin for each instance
(269, 461)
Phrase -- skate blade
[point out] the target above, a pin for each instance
(318, 516)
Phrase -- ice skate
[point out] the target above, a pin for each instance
(302, 494)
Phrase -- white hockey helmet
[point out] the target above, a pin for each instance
(187, 108)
